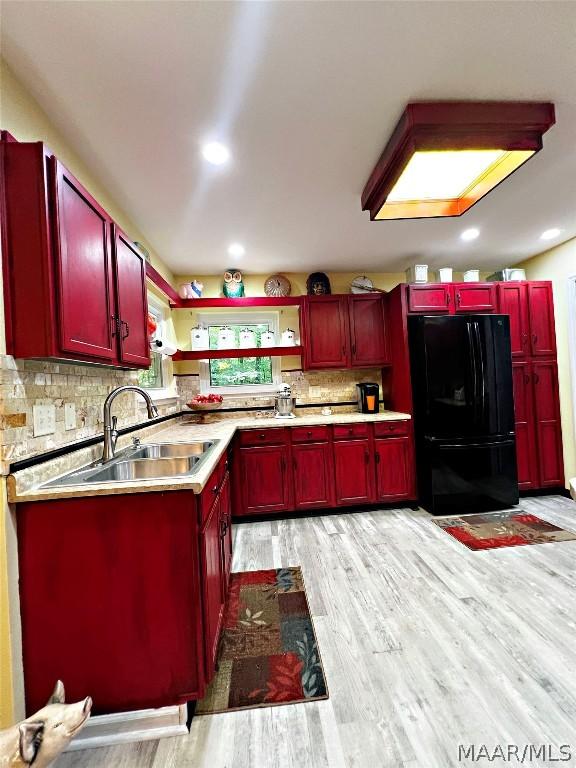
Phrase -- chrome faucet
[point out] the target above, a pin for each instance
(110, 431)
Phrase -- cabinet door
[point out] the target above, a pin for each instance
(524, 417)
(313, 475)
(325, 332)
(541, 311)
(369, 342)
(430, 298)
(226, 532)
(548, 429)
(212, 594)
(394, 468)
(475, 297)
(353, 471)
(85, 278)
(132, 302)
(513, 301)
(265, 480)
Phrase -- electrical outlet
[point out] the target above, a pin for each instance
(70, 415)
(44, 420)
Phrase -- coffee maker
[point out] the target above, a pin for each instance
(368, 397)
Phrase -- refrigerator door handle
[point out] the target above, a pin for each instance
(476, 445)
(482, 372)
(474, 369)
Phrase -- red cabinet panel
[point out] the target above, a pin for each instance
(212, 586)
(525, 434)
(325, 332)
(313, 475)
(132, 301)
(369, 343)
(110, 599)
(226, 531)
(429, 298)
(474, 297)
(513, 301)
(354, 471)
(548, 428)
(264, 479)
(394, 468)
(541, 312)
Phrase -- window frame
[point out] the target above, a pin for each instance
(168, 389)
(272, 319)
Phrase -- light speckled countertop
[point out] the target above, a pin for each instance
(27, 484)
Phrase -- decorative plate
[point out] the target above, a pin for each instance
(362, 284)
(277, 285)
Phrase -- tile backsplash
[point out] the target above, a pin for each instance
(26, 383)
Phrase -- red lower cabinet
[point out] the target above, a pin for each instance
(548, 428)
(226, 531)
(213, 597)
(263, 479)
(524, 416)
(313, 475)
(394, 458)
(354, 471)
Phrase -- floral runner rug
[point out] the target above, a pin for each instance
(502, 529)
(268, 651)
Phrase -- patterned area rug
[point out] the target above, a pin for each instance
(268, 653)
(502, 529)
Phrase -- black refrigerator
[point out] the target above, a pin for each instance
(463, 413)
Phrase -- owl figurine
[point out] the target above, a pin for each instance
(233, 287)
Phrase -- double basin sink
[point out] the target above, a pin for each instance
(151, 461)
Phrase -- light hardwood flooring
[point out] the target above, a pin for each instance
(426, 645)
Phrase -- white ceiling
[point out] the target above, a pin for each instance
(306, 95)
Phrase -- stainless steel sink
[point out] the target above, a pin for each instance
(152, 461)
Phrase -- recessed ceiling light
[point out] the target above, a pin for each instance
(443, 157)
(470, 234)
(550, 234)
(216, 153)
(236, 250)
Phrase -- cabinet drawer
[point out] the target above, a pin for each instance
(263, 436)
(347, 431)
(383, 429)
(310, 434)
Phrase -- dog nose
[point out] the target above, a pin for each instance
(87, 705)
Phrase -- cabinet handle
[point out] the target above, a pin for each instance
(458, 298)
(215, 489)
(350, 431)
(124, 323)
(367, 457)
(115, 325)
(377, 458)
(309, 433)
(524, 340)
(526, 379)
(448, 300)
(343, 350)
(262, 436)
(353, 349)
(534, 338)
(536, 379)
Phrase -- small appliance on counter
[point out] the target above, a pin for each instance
(368, 397)
(284, 403)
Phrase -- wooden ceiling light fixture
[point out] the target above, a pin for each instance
(444, 156)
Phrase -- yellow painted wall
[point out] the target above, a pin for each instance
(21, 115)
(557, 265)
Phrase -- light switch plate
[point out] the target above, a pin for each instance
(70, 415)
(44, 420)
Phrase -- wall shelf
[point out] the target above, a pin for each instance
(244, 301)
(211, 354)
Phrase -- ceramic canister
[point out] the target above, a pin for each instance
(199, 338)
(288, 338)
(268, 339)
(247, 339)
(225, 338)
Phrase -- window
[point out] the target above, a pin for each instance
(158, 379)
(239, 375)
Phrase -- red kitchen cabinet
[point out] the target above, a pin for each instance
(369, 343)
(213, 596)
(474, 297)
(354, 472)
(110, 599)
(132, 302)
(264, 478)
(548, 428)
(429, 299)
(541, 313)
(325, 332)
(344, 331)
(525, 435)
(513, 301)
(313, 475)
(59, 261)
(394, 468)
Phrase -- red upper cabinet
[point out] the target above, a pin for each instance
(59, 260)
(325, 332)
(541, 312)
(132, 301)
(474, 297)
(369, 342)
(344, 331)
(84, 270)
(513, 301)
(429, 298)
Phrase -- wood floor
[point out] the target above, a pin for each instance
(426, 645)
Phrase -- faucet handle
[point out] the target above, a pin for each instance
(114, 423)
(136, 442)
